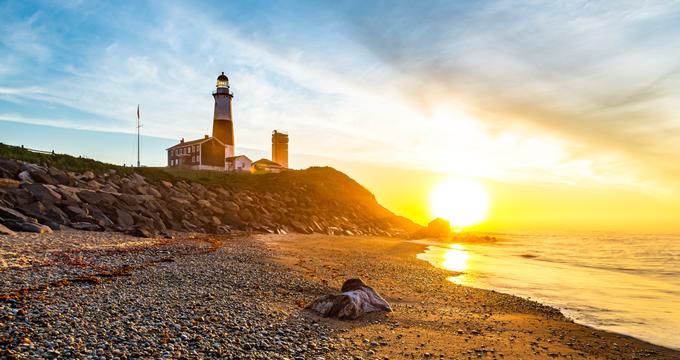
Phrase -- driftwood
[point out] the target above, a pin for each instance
(356, 299)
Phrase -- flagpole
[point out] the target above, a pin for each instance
(138, 135)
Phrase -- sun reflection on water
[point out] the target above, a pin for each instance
(455, 258)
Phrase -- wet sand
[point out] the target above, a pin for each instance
(435, 318)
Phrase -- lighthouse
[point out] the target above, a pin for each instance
(223, 122)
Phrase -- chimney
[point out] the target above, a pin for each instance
(205, 136)
(181, 141)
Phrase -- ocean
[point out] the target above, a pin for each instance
(628, 284)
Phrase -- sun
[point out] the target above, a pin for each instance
(460, 201)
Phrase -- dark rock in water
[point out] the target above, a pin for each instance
(356, 299)
(437, 228)
(6, 231)
(25, 226)
(85, 226)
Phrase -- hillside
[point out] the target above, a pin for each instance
(39, 192)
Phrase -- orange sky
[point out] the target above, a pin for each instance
(523, 207)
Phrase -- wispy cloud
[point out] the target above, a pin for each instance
(549, 92)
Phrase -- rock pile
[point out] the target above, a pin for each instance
(44, 198)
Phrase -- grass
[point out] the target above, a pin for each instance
(320, 181)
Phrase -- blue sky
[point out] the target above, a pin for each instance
(510, 91)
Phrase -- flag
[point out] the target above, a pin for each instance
(137, 111)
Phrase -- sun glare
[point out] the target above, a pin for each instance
(462, 202)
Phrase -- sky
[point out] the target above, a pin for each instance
(568, 112)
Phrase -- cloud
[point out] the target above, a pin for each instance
(532, 92)
(601, 77)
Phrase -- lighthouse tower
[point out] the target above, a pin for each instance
(223, 122)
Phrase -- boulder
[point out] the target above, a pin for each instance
(204, 203)
(11, 214)
(25, 177)
(96, 197)
(9, 168)
(25, 226)
(166, 184)
(68, 193)
(43, 193)
(87, 176)
(123, 218)
(9, 183)
(83, 225)
(6, 231)
(142, 232)
(41, 176)
(356, 299)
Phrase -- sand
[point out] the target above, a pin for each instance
(435, 318)
(107, 295)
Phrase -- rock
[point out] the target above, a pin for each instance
(142, 232)
(299, 227)
(356, 299)
(42, 193)
(25, 177)
(96, 197)
(153, 192)
(83, 225)
(129, 199)
(39, 175)
(124, 218)
(18, 225)
(204, 203)
(87, 176)
(437, 228)
(166, 184)
(11, 214)
(9, 183)
(6, 231)
(9, 168)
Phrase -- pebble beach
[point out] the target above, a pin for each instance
(103, 295)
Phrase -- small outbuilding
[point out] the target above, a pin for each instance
(266, 165)
(239, 163)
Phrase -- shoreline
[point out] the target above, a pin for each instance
(570, 315)
(243, 296)
(614, 343)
